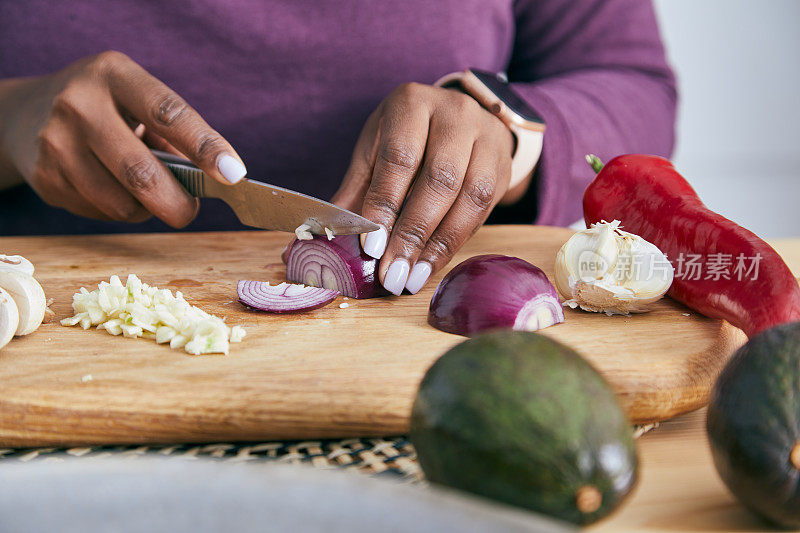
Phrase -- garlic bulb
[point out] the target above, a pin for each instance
(605, 269)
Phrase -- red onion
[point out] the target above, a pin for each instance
(284, 297)
(494, 291)
(338, 264)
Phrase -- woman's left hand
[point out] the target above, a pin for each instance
(429, 166)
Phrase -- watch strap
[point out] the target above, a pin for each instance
(529, 140)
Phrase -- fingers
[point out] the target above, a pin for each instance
(168, 115)
(430, 163)
(82, 152)
(138, 171)
(402, 137)
(487, 175)
(356, 180)
(98, 186)
(156, 142)
(64, 178)
(53, 188)
(447, 156)
(78, 205)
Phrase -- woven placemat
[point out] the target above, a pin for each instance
(390, 456)
(394, 456)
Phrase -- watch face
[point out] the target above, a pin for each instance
(500, 88)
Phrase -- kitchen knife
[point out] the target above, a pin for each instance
(266, 206)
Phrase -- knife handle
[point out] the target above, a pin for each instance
(192, 178)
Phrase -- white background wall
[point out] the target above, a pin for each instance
(738, 63)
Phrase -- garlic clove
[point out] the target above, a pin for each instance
(651, 270)
(594, 252)
(303, 233)
(16, 262)
(588, 255)
(29, 297)
(9, 318)
(605, 269)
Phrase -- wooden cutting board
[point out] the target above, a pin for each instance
(327, 373)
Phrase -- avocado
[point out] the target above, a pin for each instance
(754, 424)
(519, 418)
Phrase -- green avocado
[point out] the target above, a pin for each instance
(517, 417)
(754, 424)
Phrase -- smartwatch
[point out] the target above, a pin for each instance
(493, 92)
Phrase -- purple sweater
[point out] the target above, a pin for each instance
(290, 83)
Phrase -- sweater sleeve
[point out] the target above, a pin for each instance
(596, 71)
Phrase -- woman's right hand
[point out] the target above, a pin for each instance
(71, 136)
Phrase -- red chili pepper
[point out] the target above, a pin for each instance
(654, 201)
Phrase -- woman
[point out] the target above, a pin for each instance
(288, 86)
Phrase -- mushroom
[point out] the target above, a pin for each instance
(16, 262)
(9, 317)
(28, 296)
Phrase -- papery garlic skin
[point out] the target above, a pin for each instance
(604, 269)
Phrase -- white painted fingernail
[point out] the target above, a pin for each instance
(231, 168)
(375, 243)
(418, 277)
(396, 276)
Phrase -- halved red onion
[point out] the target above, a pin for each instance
(283, 297)
(338, 264)
(491, 292)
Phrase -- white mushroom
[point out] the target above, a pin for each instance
(16, 262)
(29, 297)
(9, 318)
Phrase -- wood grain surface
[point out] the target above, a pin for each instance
(679, 488)
(328, 373)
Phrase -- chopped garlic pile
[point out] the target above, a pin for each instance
(139, 310)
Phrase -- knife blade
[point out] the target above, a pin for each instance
(266, 206)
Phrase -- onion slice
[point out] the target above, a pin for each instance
(338, 264)
(494, 291)
(283, 297)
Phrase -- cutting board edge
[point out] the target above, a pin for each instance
(662, 405)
